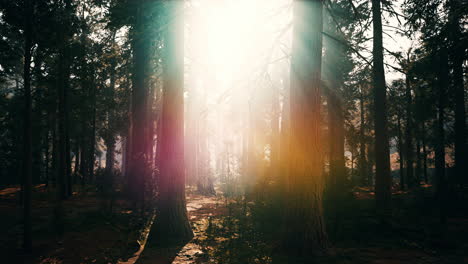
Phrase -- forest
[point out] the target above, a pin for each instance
(233, 131)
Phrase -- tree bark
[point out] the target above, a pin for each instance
(138, 160)
(383, 180)
(172, 224)
(305, 227)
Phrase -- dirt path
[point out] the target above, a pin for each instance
(200, 209)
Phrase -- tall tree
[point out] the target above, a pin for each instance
(441, 178)
(457, 40)
(140, 46)
(27, 141)
(305, 227)
(383, 178)
(172, 223)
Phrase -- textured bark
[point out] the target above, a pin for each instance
(305, 227)
(383, 180)
(27, 136)
(172, 223)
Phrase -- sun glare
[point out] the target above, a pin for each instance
(232, 48)
(229, 38)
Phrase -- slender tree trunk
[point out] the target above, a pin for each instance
(383, 180)
(62, 87)
(111, 137)
(362, 143)
(426, 179)
(418, 162)
(401, 157)
(409, 150)
(334, 55)
(285, 139)
(336, 138)
(441, 182)
(275, 135)
(27, 137)
(77, 160)
(92, 136)
(305, 227)
(172, 223)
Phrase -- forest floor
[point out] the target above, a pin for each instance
(232, 231)
(92, 234)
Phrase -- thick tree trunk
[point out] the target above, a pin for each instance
(458, 52)
(383, 180)
(172, 224)
(138, 168)
(27, 136)
(305, 227)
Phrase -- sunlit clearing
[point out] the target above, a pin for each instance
(236, 51)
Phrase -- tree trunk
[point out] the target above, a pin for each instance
(138, 168)
(305, 227)
(409, 151)
(362, 143)
(27, 137)
(334, 55)
(401, 157)
(172, 224)
(275, 135)
(458, 52)
(285, 139)
(383, 180)
(441, 182)
(418, 162)
(426, 179)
